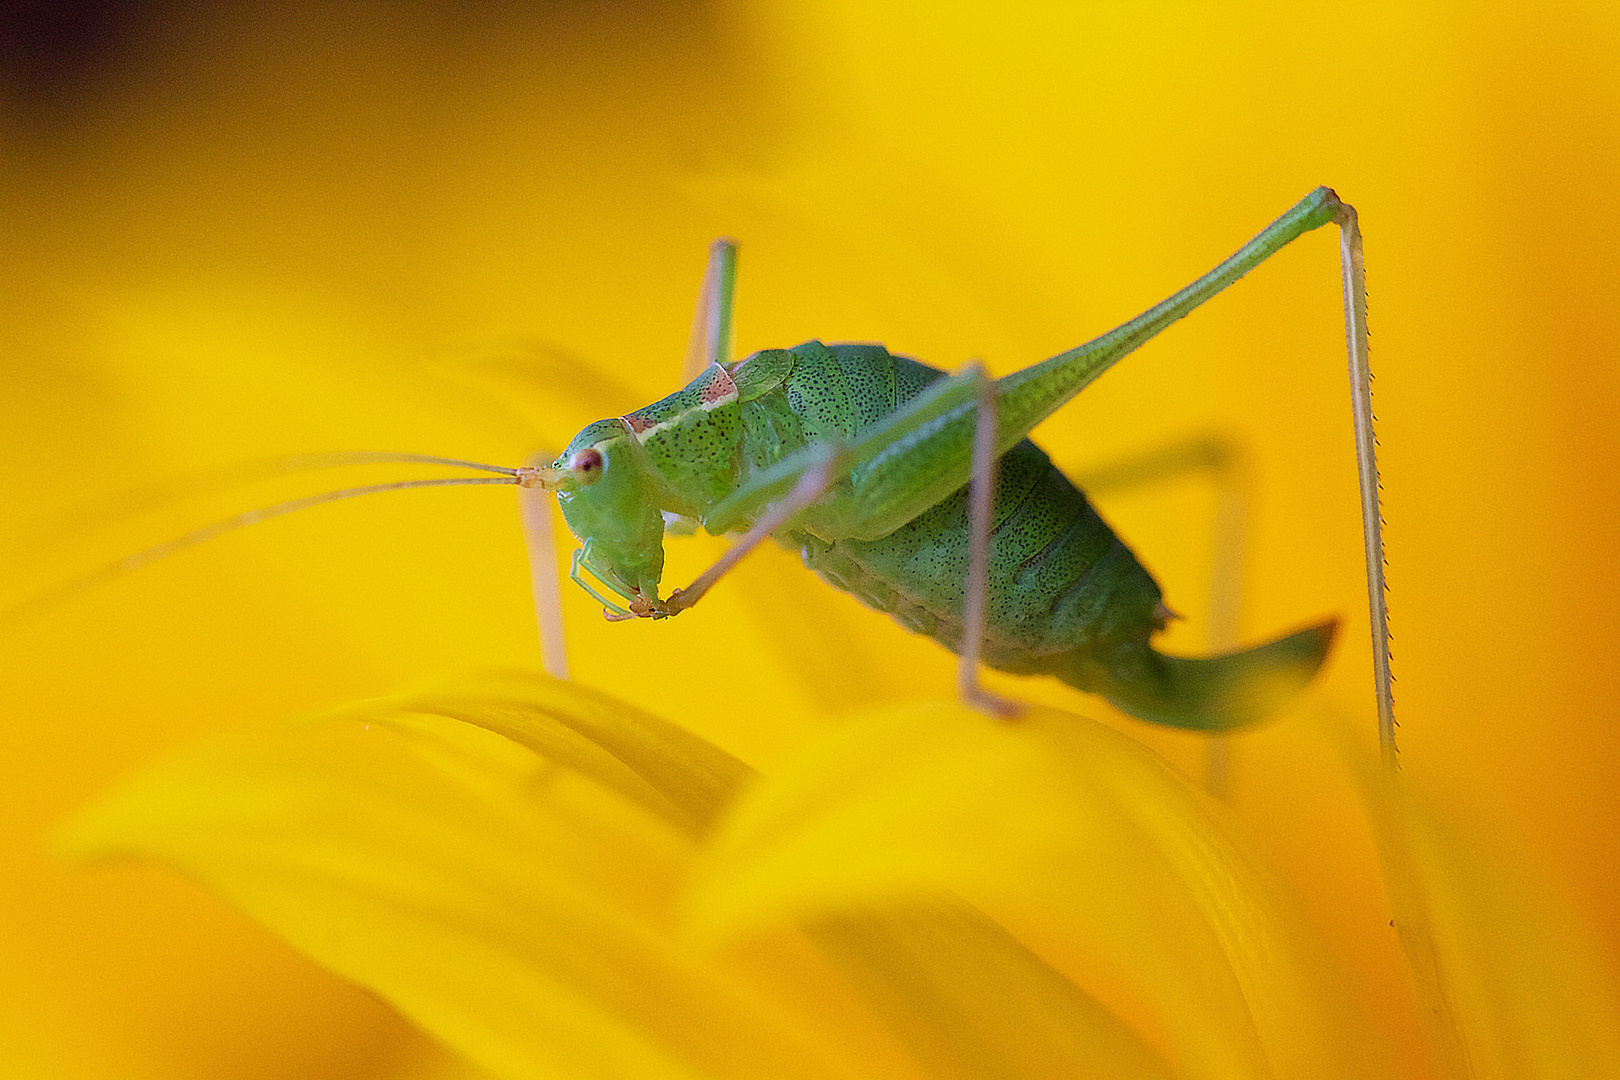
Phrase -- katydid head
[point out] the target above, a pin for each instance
(610, 501)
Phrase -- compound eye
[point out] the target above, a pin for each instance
(586, 465)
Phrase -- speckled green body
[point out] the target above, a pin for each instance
(1066, 597)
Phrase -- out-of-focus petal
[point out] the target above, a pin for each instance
(965, 996)
(1062, 828)
(660, 765)
(972, 1001)
(510, 908)
(1513, 986)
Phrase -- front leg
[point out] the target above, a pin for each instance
(812, 484)
(786, 494)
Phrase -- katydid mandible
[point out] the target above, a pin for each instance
(861, 460)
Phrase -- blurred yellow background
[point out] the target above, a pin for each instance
(231, 232)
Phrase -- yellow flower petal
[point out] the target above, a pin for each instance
(510, 909)
(1056, 825)
(962, 993)
(971, 1001)
(658, 764)
(1514, 987)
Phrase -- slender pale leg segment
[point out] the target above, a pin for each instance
(1353, 264)
(981, 496)
(710, 342)
(540, 541)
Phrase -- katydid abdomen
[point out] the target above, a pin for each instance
(1066, 597)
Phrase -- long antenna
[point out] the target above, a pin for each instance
(116, 505)
(208, 532)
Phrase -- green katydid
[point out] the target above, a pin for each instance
(877, 469)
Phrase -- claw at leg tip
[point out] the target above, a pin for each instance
(993, 705)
